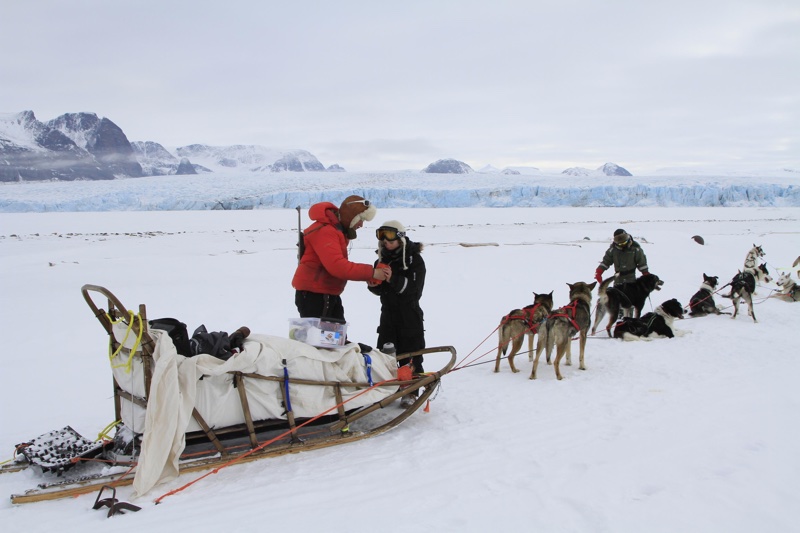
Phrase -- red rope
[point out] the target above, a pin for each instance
(267, 443)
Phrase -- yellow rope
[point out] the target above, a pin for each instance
(104, 433)
(127, 364)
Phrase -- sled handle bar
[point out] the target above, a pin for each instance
(99, 313)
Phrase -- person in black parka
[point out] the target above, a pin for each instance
(402, 318)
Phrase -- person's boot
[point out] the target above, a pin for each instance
(407, 400)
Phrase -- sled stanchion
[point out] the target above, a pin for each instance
(287, 402)
(248, 419)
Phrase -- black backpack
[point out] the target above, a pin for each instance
(177, 331)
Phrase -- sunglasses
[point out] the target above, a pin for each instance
(365, 202)
(389, 234)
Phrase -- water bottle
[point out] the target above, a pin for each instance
(389, 349)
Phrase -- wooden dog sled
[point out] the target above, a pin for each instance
(236, 411)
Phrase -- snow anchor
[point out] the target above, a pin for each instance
(114, 505)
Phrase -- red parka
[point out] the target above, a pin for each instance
(324, 267)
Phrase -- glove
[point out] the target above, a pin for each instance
(236, 340)
(598, 275)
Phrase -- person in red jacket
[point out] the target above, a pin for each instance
(324, 268)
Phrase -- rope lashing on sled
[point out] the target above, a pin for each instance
(267, 443)
(368, 363)
(286, 386)
(127, 364)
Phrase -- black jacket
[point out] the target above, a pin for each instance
(401, 316)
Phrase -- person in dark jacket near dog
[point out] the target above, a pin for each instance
(401, 320)
(626, 255)
(324, 269)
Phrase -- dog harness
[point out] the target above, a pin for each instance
(526, 316)
(569, 312)
(745, 280)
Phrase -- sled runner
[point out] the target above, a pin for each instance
(175, 414)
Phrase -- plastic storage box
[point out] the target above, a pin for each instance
(318, 332)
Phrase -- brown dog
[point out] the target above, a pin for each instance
(563, 323)
(519, 323)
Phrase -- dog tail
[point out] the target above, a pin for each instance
(504, 340)
(624, 301)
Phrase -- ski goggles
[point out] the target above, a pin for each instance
(365, 202)
(389, 234)
(622, 245)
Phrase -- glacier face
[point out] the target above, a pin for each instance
(399, 189)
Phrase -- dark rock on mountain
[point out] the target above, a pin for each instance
(292, 163)
(158, 161)
(185, 167)
(149, 150)
(448, 166)
(335, 168)
(510, 171)
(33, 151)
(612, 169)
(72, 146)
(101, 138)
(154, 158)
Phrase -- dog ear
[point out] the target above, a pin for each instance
(592, 285)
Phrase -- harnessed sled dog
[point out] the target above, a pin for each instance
(628, 297)
(702, 302)
(655, 324)
(520, 323)
(753, 256)
(743, 285)
(562, 324)
(790, 291)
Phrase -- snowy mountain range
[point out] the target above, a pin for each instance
(609, 169)
(72, 146)
(83, 146)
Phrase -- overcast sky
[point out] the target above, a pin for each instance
(377, 85)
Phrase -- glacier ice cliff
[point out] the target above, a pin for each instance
(399, 189)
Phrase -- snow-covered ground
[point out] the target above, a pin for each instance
(696, 433)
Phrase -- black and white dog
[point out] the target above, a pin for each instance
(629, 298)
(743, 285)
(652, 325)
(702, 303)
